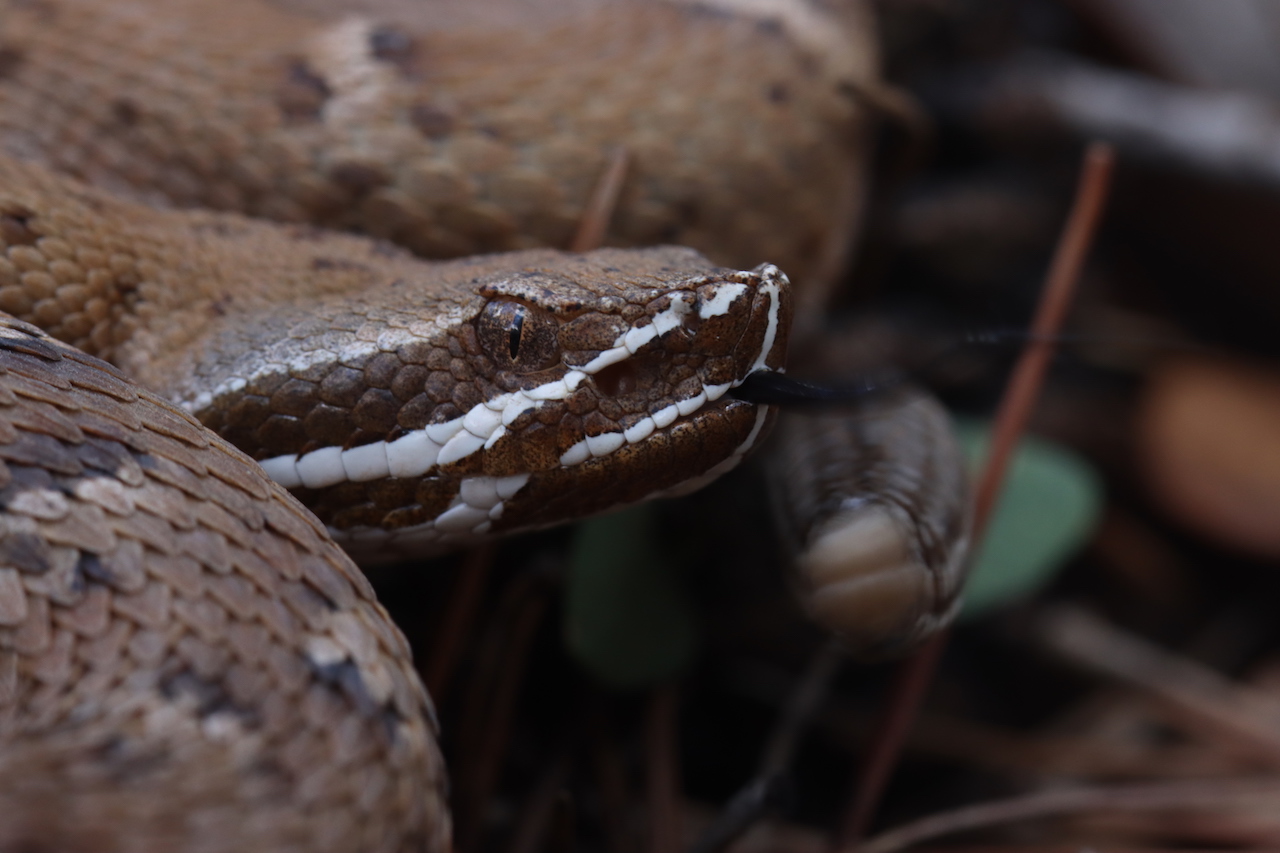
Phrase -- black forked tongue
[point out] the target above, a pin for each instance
(770, 388)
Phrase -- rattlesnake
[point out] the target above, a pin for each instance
(186, 661)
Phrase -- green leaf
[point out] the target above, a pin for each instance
(628, 617)
(1048, 509)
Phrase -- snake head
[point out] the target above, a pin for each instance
(557, 386)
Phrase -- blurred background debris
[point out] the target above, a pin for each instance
(1116, 681)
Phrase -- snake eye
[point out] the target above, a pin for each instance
(518, 337)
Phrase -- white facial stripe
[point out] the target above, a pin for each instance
(352, 351)
(719, 304)
(772, 274)
(479, 503)
(630, 341)
(417, 452)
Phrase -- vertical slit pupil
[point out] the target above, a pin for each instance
(513, 334)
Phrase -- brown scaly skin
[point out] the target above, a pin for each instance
(897, 460)
(746, 137)
(186, 302)
(746, 131)
(187, 661)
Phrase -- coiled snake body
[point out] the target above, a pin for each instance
(186, 660)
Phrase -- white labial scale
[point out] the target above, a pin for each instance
(442, 432)
(596, 446)
(482, 420)
(460, 446)
(366, 462)
(284, 470)
(485, 423)
(604, 444)
(412, 455)
(321, 468)
(495, 436)
(480, 502)
(575, 455)
(690, 405)
(515, 409)
(639, 431)
(461, 519)
(479, 492)
(665, 417)
(715, 392)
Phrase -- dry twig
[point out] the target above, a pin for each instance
(1011, 420)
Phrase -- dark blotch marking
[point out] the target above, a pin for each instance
(778, 93)
(28, 845)
(15, 225)
(699, 10)
(302, 93)
(221, 228)
(770, 26)
(26, 552)
(126, 112)
(42, 8)
(432, 121)
(33, 345)
(322, 264)
(91, 566)
(306, 233)
(210, 698)
(395, 46)
(358, 177)
(11, 59)
(387, 249)
(346, 677)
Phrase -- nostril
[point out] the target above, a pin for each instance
(617, 379)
